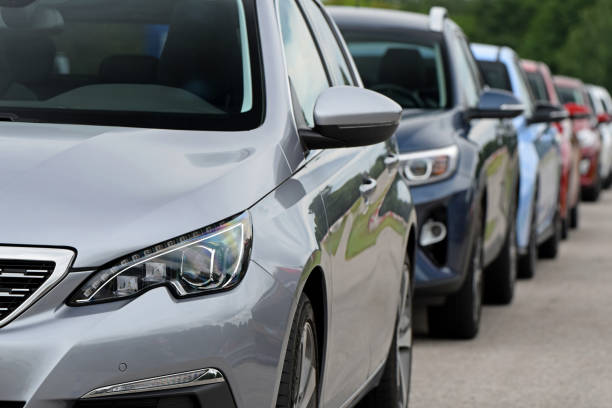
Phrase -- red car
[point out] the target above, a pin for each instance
(573, 94)
(543, 88)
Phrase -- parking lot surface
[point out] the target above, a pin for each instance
(551, 348)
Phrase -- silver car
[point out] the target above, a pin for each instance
(200, 207)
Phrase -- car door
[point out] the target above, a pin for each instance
(495, 139)
(362, 243)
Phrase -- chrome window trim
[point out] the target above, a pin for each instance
(209, 376)
(61, 257)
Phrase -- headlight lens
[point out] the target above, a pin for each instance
(203, 261)
(431, 165)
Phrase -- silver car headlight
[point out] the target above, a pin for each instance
(204, 261)
(430, 166)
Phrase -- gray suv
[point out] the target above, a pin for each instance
(201, 207)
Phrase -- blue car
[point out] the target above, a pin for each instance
(538, 222)
(458, 150)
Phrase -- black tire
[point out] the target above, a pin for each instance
(393, 391)
(500, 276)
(565, 228)
(550, 248)
(608, 182)
(459, 317)
(591, 194)
(527, 263)
(574, 217)
(288, 392)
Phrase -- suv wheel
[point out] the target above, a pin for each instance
(550, 248)
(299, 386)
(501, 275)
(574, 217)
(592, 193)
(528, 261)
(393, 391)
(459, 317)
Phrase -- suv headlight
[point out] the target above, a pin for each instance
(204, 261)
(430, 166)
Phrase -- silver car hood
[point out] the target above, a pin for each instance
(110, 191)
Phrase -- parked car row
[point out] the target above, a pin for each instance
(203, 205)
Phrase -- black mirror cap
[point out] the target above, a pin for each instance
(547, 112)
(497, 104)
(334, 137)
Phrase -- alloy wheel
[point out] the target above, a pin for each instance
(306, 369)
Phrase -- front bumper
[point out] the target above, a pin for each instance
(55, 354)
(440, 269)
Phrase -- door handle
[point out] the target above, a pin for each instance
(367, 187)
(391, 160)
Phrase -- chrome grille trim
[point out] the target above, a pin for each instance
(62, 258)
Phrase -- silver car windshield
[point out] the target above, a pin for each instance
(188, 64)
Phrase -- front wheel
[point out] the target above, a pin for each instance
(299, 387)
(528, 261)
(550, 248)
(574, 217)
(501, 275)
(393, 391)
(459, 317)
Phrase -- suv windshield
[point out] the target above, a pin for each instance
(570, 95)
(410, 72)
(495, 74)
(182, 64)
(538, 86)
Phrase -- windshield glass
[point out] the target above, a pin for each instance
(495, 75)
(411, 73)
(570, 95)
(185, 64)
(538, 86)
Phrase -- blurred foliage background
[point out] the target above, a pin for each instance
(574, 37)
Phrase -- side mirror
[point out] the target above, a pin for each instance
(497, 104)
(348, 116)
(547, 112)
(577, 111)
(604, 118)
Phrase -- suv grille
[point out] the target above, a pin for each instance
(19, 280)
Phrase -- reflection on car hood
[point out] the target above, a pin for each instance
(111, 191)
(426, 129)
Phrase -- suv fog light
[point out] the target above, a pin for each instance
(187, 379)
(585, 165)
(432, 233)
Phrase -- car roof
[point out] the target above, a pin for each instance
(568, 81)
(530, 65)
(372, 18)
(492, 53)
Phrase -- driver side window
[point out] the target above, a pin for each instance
(306, 71)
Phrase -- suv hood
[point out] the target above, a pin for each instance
(110, 191)
(426, 129)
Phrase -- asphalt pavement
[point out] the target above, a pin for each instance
(551, 348)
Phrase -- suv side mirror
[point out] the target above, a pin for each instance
(547, 112)
(497, 104)
(347, 116)
(577, 111)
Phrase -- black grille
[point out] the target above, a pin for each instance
(11, 404)
(19, 280)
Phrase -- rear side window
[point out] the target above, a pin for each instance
(336, 61)
(538, 86)
(306, 72)
(495, 75)
(410, 72)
